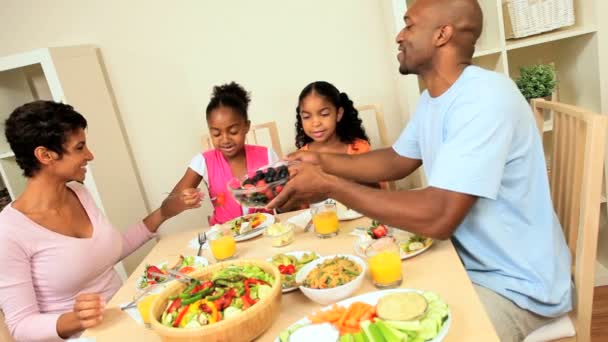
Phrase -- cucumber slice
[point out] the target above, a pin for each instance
(428, 329)
(404, 326)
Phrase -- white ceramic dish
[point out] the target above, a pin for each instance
(312, 333)
(297, 254)
(331, 295)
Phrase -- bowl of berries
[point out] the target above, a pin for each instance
(256, 189)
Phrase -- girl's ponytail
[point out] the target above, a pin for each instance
(350, 127)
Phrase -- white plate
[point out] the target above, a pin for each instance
(199, 262)
(400, 236)
(297, 254)
(369, 298)
(255, 232)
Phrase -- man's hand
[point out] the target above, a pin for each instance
(305, 156)
(308, 184)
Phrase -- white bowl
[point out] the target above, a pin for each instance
(332, 295)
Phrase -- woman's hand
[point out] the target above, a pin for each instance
(176, 203)
(86, 313)
(89, 309)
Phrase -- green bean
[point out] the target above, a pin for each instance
(218, 295)
(192, 299)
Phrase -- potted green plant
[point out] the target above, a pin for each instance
(537, 81)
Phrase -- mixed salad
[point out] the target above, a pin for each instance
(151, 272)
(246, 223)
(228, 293)
(289, 265)
(415, 243)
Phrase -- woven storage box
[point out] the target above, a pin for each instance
(528, 17)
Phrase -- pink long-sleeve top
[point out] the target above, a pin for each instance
(41, 272)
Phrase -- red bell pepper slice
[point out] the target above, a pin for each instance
(175, 305)
(201, 287)
(247, 301)
(180, 316)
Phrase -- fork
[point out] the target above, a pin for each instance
(202, 238)
(171, 194)
(308, 225)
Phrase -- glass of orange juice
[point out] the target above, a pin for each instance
(144, 306)
(222, 244)
(384, 260)
(325, 219)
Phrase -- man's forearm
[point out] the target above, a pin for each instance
(418, 211)
(365, 168)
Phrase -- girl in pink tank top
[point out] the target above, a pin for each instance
(228, 124)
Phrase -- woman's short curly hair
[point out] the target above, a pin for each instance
(40, 123)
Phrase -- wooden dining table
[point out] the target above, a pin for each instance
(438, 269)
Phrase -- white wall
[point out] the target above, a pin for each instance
(162, 60)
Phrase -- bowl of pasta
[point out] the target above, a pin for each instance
(331, 278)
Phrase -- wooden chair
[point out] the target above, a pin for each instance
(260, 134)
(577, 162)
(373, 116)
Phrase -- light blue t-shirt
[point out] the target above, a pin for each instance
(480, 138)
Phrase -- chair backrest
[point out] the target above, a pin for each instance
(373, 117)
(265, 134)
(577, 162)
(375, 127)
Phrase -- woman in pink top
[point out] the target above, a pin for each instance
(57, 250)
(228, 125)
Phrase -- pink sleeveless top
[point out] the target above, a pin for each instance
(219, 173)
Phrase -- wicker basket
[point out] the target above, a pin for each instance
(528, 17)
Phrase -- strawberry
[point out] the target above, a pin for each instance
(153, 269)
(260, 183)
(377, 230)
(220, 199)
(278, 189)
(269, 194)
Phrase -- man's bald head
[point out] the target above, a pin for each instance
(438, 30)
(465, 16)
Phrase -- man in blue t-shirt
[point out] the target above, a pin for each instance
(487, 183)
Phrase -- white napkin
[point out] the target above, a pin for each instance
(82, 339)
(301, 219)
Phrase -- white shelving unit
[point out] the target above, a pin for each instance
(75, 75)
(579, 53)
